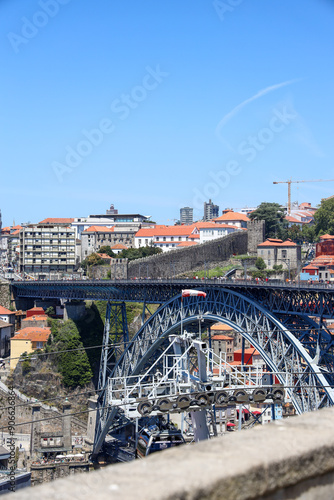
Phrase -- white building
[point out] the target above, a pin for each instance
(209, 231)
(166, 237)
(232, 218)
(47, 248)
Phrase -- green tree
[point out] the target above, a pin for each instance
(72, 359)
(139, 253)
(274, 217)
(308, 233)
(260, 264)
(92, 260)
(50, 311)
(107, 250)
(324, 218)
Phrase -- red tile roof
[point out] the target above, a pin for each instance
(119, 246)
(33, 334)
(104, 256)
(249, 350)
(270, 242)
(187, 243)
(194, 236)
(42, 317)
(221, 337)
(327, 237)
(5, 311)
(230, 215)
(57, 220)
(99, 229)
(289, 218)
(36, 309)
(221, 327)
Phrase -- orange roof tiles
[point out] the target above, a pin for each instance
(249, 350)
(221, 327)
(5, 311)
(42, 317)
(57, 220)
(99, 229)
(221, 337)
(194, 236)
(230, 215)
(119, 246)
(104, 256)
(187, 243)
(289, 218)
(277, 243)
(36, 309)
(33, 334)
(327, 237)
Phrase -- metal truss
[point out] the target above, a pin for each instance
(115, 332)
(315, 300)
(283, 353)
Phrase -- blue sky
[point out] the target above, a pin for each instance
(155, 105)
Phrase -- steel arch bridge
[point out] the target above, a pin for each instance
(287, 344)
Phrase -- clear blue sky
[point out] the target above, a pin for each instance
(195, 101)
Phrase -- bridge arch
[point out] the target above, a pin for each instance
(283, 353)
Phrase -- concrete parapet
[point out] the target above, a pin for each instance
(288, 459)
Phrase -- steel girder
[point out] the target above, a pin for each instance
(115, 329)
(315, 300)
(281, 350)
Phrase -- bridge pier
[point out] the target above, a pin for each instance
(74, 310)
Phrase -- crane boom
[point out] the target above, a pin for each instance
(289, 182)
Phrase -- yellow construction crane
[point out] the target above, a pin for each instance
(289, 188)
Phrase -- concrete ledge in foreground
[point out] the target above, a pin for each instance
(290, 459)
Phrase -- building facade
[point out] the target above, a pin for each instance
(211, 211)
(47, 248)
(186, 215)
(94, 237)
(278, 252)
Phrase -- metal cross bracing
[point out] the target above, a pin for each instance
(316, 300)
(115, 334)
(283, 353)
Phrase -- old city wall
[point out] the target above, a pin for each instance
(186, 259)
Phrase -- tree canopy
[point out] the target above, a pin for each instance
(274, 217)
(92, 260)
(72, 359)
(324, 218)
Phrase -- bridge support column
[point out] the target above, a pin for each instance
(74, 310)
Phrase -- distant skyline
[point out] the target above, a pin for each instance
(154, 106)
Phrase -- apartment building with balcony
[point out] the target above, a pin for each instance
(47, 248)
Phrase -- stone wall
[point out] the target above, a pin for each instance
(118, 270)
(184, 260)
(45, 473)
(288, 459)
(256, 235)
(5, 295)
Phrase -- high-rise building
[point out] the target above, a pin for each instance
(47, 248)
(186, 215)
(210, 211)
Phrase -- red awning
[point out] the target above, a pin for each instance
(256, 412)
(229, 424)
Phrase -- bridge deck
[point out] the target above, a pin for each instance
(297, 298)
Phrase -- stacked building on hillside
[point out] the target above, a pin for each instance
(322, 266)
